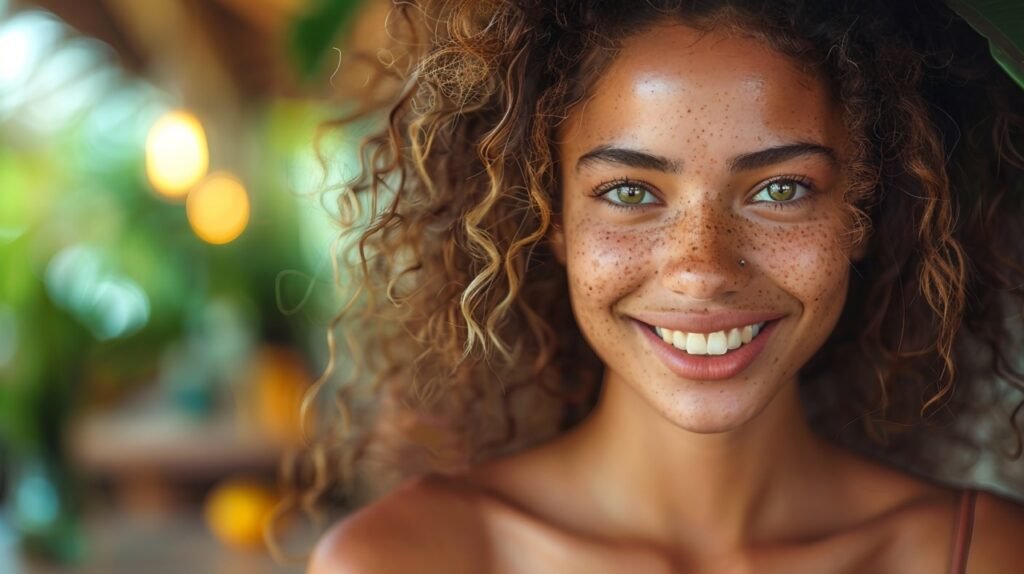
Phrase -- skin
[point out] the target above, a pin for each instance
(670, 474)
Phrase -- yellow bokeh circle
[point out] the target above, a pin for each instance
(177, 155)
(236, 509)
(218, 209)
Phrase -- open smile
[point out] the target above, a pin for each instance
(712, 356)
(716, 343)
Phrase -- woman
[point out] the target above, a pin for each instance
(768, 218)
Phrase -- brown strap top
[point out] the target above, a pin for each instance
(962, 535)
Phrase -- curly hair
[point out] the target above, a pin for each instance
(460, 345)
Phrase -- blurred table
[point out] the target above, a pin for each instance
(150, 451)
(160, 461)
(148, 436)
(176, 543)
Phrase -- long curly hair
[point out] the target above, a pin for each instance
(457, 343)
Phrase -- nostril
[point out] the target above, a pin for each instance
(708, 276)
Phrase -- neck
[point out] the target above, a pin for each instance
(719, 491)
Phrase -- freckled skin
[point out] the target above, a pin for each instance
(707, 476)
(667, 474)
(682, 254)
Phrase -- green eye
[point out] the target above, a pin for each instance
(629, 195)
(781, 191)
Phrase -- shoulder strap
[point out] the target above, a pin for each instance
(964, 527)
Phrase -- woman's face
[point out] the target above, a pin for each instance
(703, 226)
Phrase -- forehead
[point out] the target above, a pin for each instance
(673, 80)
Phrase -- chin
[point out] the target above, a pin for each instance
(711, 419)
(712, 408)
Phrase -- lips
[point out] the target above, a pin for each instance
(704, 367)
(705, 322)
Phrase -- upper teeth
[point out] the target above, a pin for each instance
(717, 343)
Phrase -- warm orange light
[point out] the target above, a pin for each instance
(237, 508)
(176, 153)
(218, 209)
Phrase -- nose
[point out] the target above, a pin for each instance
(702, 259)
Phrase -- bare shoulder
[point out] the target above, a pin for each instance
(998, 540)
(425, 526)
(917, 519)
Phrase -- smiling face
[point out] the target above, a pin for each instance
(703, 224)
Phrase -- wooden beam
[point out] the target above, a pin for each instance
(270, 16)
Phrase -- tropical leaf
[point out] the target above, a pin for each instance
(314, 32)
(1002, 23)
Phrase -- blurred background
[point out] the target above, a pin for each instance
(165, 272)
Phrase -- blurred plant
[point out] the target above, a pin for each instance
(104, 284)
(313, 33)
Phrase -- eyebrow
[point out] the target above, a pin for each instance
(645, 160)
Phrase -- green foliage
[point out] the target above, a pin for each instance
(314, 32)
(1002, 23)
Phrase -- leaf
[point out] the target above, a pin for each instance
(1002, 23)
(313, 33)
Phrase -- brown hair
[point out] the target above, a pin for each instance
(458, 316)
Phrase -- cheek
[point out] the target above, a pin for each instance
(809, 262)
(605, 262)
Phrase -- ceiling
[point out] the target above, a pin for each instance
(199, 45)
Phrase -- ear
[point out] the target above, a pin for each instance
(556, 239)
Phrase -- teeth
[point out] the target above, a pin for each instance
(735, 339)
(678, 339)
(696, 344)
(717, 343)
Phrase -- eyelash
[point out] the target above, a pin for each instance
(798, 179)
(605, 188)
(609, 186)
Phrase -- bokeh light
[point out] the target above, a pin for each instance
(36, 502)
(177, 155)
(122, 309)
(25, 41)
(237, 509)
(218, 209)
(124, 334)
(112, 306)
